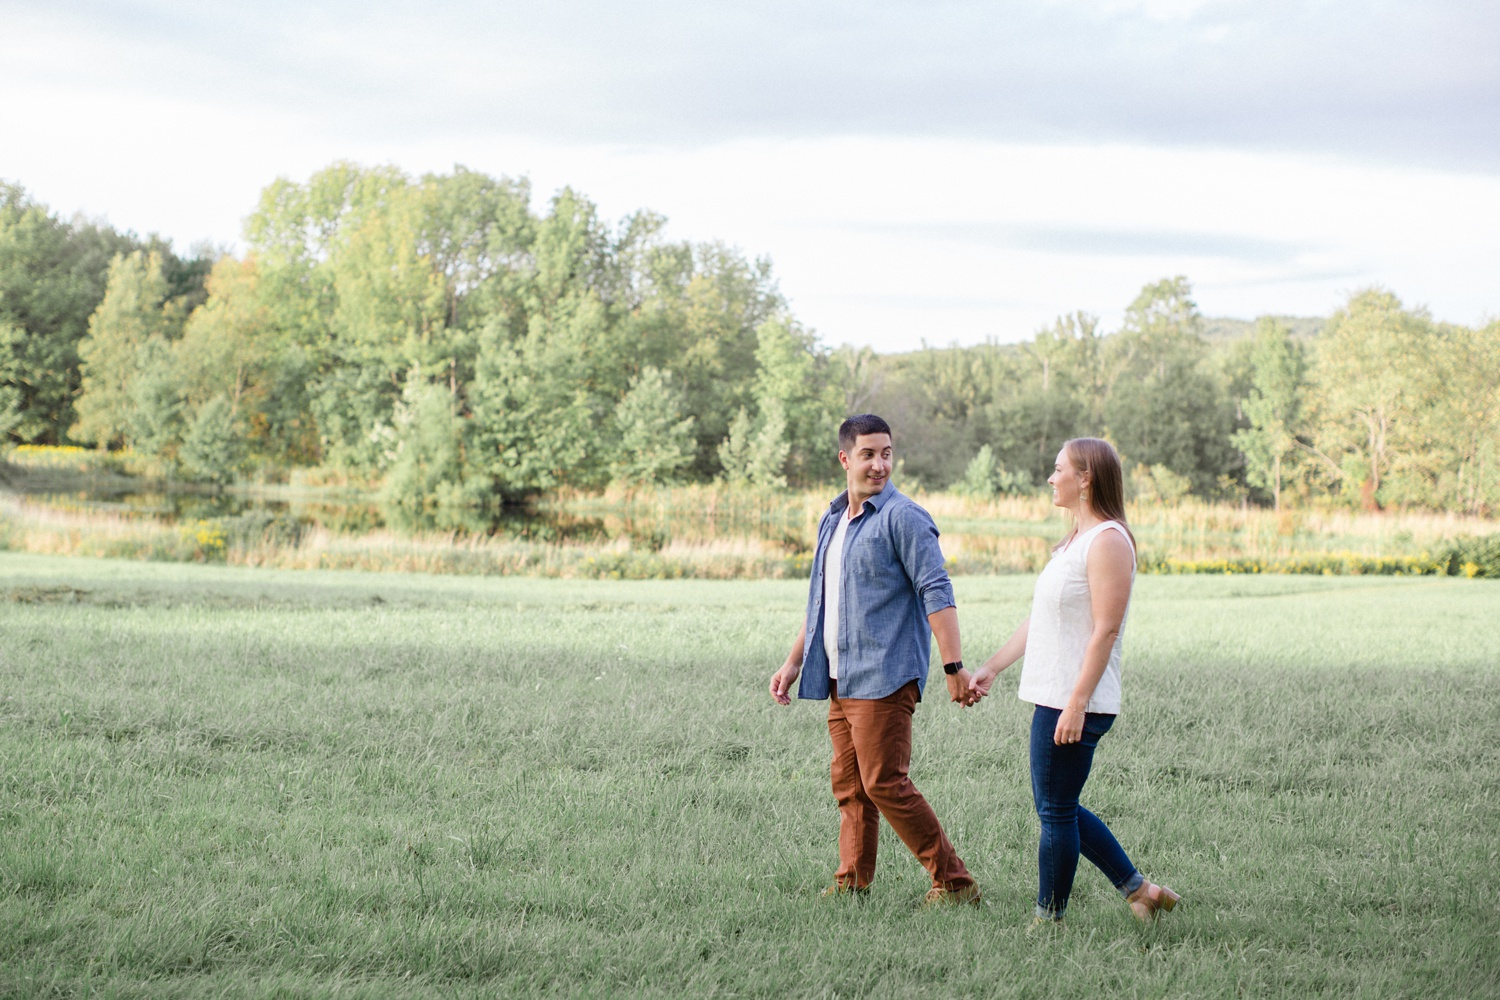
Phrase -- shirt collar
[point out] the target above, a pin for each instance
(841, 502)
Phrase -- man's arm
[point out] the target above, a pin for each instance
(916, 538)
(945, 630)
(782, 680)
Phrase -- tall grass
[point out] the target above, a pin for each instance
(276, 542)
(232, 783)
(716, 532)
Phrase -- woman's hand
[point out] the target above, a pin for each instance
(984, 677)
(980, 684)
(1069, 727)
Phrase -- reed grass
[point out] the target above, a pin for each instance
(715, 532)
(42, 529)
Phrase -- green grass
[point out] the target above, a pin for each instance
(218, 781)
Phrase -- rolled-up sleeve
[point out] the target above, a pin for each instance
(916, 538)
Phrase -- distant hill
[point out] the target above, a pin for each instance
(1222, 330)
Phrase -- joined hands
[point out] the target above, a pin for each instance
(978, 688)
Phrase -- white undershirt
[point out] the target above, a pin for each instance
(833, 578)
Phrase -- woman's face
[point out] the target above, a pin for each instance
(1065, 481)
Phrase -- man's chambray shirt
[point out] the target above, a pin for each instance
(893, 579)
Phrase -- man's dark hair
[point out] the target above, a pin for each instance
(860, 423)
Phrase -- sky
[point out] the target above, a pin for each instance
(935, 172)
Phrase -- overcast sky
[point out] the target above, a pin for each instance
(916, 171)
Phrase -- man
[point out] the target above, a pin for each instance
(878, 594)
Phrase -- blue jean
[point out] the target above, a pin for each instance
(1057, 777)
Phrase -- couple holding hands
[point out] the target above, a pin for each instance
(880, 593)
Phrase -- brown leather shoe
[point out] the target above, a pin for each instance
(844, 889)
(939, 896)
(1149, 898)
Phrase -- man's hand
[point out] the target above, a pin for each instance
(958, 687)
(782, 681)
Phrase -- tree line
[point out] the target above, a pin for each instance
(440, 336)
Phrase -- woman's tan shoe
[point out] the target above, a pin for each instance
(1149, 898)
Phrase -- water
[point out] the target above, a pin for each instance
(361, 516)
(286, 515)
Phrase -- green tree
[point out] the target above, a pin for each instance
(985, 477)
(232, 347)
(540, 329)
(155, 411)
(133, 312)
(212, 449)
(1164, 406)
(429, 469)
(857, 375)
(537, 406)
(52, 277)
(364, 275)
(735, 450)
(1465, 416)
(1273, 407)
(793, 388)
(538, 325)
(656, 441)
(697, 312)
(979, 477)
(12, 375)
(769, 448)
(943, 404)
(1375, 371)
(1048, 396)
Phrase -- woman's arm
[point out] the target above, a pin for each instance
(1110, 563)
(984, 677)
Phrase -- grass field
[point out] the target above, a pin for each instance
(225, 782)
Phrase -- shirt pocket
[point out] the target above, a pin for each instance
(870, 552)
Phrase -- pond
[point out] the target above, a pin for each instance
(348, 513)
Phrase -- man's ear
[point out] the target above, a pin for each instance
(843, 458)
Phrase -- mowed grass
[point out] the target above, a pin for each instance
(250, 783)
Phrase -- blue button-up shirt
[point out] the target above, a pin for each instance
(893, 579)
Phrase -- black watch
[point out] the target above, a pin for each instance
(952, 668)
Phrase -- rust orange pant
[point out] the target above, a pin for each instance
(871, 755)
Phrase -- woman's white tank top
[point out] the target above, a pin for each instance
(1062, 621)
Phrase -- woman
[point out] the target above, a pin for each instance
(1072, 675)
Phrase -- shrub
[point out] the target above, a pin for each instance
(1473, 557)
(1324, 564)
(259, 527)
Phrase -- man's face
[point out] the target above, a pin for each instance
(868, 464)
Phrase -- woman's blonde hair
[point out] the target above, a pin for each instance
(1098, 461)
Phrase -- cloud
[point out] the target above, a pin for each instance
(942, 172)
(1087, 241)
(1380, 79)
